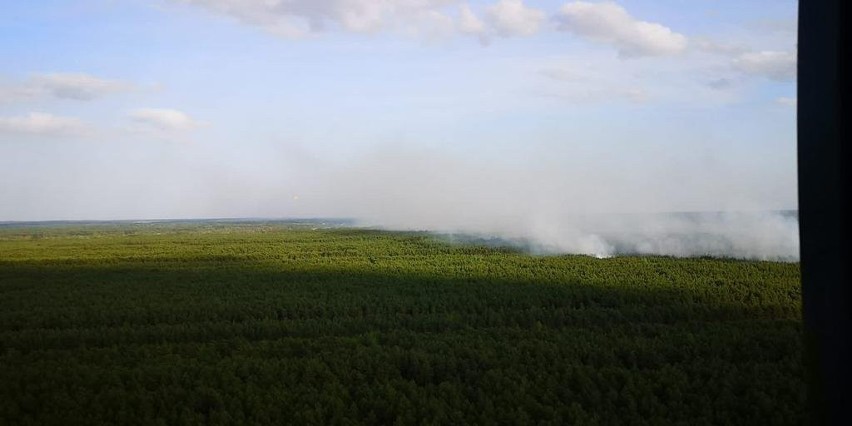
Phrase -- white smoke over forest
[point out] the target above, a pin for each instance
(577, 206)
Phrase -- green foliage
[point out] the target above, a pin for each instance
(269, 324)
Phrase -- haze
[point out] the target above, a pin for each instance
(568, 125)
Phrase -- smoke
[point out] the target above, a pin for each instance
(771, 235)
(549, 203)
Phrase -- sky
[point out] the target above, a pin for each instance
(408, 113)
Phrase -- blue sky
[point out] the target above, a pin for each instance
(386, 109)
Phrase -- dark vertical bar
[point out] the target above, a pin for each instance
(823, 123)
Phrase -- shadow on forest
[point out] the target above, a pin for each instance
(223, 341)
(58, 295)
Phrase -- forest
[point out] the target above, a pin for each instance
(270, 323)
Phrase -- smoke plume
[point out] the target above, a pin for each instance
(577, 205)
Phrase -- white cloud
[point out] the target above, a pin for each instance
(361, 16)
(779, 65)
(430, 25)
(513, 18)
(269, 15)
(74, 86)
(42, 124)
(610, 23)
(15, 92)
(563, 74)
(786, 101)
(163, 119)
(81, 87)
(720, 48)
(721, 83)
(775, 65)
(789, 26)
(598, 76)
(299, 18)
(304, 18)
(470, 24)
